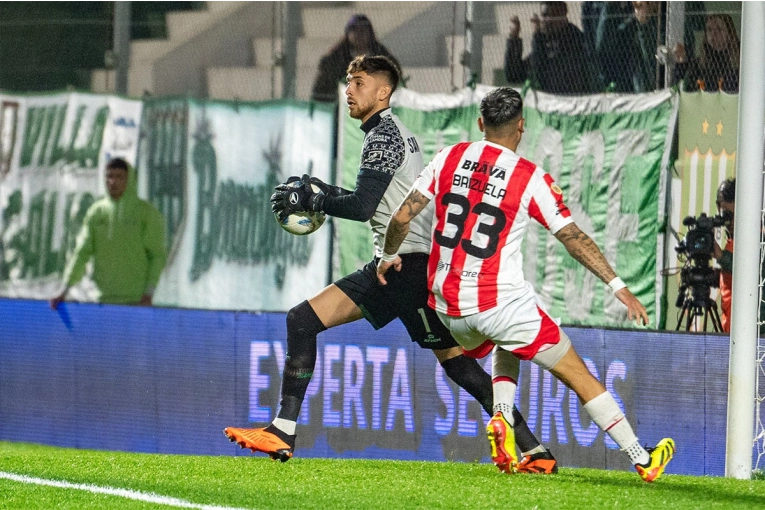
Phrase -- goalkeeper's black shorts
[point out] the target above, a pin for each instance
(405, 297)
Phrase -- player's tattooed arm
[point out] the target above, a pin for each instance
(398, 227)
(585, 251)
(412, 205)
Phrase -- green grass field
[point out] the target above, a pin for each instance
(259, 483)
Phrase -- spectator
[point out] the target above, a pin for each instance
(695, 20)
(125, 237)
(359, 39)
(726, 206)
(560, 61)
(647, 75)
(624, 37)
(608, 29)
(716, 68)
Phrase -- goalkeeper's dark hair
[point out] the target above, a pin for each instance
(374, 65)
(727, 191)
(500, 107)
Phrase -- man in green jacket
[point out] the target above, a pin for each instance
(125, 237)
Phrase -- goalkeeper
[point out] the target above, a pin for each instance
(390, 162)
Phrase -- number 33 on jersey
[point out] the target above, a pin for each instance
(488, 193)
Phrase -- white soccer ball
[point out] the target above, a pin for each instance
(303, 223)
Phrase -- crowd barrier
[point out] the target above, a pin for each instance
(169, 380)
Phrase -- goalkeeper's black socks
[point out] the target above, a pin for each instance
(524, 438)
(287, 438)
(469, 375)
(302, 327)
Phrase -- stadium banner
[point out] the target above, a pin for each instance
(169, 380)
(52, 151)
(610, 155)
(211, 167)
(707, 138)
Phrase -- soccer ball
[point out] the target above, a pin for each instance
(303, 223)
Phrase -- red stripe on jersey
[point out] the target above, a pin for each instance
(548, 334)
(443, 185)
(557, 193)
(535, 213)
(511, 202)
(451, 286)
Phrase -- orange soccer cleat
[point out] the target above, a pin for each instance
(538, 463)
(270, 440)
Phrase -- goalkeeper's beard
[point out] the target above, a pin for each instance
(360, 112)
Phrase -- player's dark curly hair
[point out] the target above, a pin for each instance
(727, 191)
(501, 106)
(376, 64)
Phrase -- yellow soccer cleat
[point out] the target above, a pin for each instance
(660, 457)
(263, 440)
(502, 440)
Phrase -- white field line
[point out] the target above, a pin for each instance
(111, 491)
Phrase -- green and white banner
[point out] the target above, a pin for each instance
(610, 155)
(52, 150)
(707, 137)
(211, 168)
(707, 134)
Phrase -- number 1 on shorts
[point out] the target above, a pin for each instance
(424, 319)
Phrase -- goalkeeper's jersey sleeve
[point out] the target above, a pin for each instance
(392, 148)
(390, 162)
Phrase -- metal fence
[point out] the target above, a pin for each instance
(266, 50)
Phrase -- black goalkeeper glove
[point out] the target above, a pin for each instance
(328, 189)
(289, 198)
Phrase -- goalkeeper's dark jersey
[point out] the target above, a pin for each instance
(390, 162)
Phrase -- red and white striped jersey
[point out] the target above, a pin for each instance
(484, 196)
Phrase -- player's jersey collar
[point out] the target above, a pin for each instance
(374, 120)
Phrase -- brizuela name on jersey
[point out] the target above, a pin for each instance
(480, 185)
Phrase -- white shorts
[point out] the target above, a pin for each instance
(519, 325)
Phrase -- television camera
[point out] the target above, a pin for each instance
(697, 276)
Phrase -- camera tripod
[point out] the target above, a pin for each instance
(697, 303)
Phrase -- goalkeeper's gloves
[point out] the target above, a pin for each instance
(328, 189)
(288, 199)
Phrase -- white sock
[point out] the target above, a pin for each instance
(637, 453)
(504, 397)
(286, 426)
(504, 377)
(604, 411)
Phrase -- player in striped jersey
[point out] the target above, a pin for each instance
(484, 196)
(390, 162)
